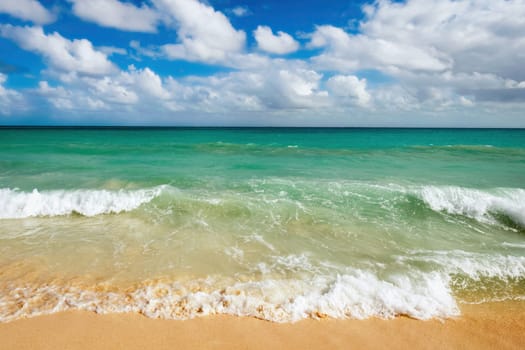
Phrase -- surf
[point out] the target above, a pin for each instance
(16, 204)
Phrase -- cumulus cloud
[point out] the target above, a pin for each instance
(76, 55)
(468, 50)
(345, 52)
(113, 90)
(137, 91)
(204, 34)
(9, 99)
(462, 56)
(145, 81)
(282, 43)
(27, 10)
(59, 97)
(278, 95)
(278, 88)
(301, 88)
(281, 87)
(350, 86)
(484, 36)
(116, 14)
(128, 90)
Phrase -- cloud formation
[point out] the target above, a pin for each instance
(350, 87)
(483, 36)
(27, 10)
(460, 48)
(241, 11)
(64, 55)
(10, 100)
(345, 53)
(281, 44)
(116, 14)
(462, 57)
(204, 34)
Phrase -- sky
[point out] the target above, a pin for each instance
(414, 63)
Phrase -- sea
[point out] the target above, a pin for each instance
(280, 224)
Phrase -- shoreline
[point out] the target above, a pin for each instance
(498, 325)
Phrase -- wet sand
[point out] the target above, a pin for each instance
(486, 326)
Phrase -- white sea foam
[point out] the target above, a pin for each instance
(15, 204)
(354, 293)
(476, 204)
(473, 265)
(357, 294)
(513, 245)
(350, 293)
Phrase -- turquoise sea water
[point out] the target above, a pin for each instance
(280, 224)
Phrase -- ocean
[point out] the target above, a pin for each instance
(280, 224)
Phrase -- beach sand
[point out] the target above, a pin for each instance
(485, 326)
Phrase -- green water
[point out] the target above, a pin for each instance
(51, 159)
(280, 224)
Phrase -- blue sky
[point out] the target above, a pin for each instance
(267, 63)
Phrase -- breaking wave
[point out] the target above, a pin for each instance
(15, 204)
(502, 204)
(358, 294)
(345, 293)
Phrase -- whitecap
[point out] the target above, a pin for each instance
(16, 204)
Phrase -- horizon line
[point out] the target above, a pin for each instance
(88, 126)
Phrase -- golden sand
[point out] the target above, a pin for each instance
(486, 326)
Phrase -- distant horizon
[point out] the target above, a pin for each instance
(61, 126)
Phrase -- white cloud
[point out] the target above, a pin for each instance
(282, 43)
(204, 34)
(346, 52)
(139, 50)
(439, 52)
(76, 55)
(455, 60)
(113, 91)
(484, 36)
(300, 87)
(395, 98)
(137, 91)
(350, 86)
(111, 50)
(275, 95)
(116, 14)
(28, 10)
(241, 11)
(269, 89)
(59, 97)
(131, 89)
(145, 81)
(10, 100)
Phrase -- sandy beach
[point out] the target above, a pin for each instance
(204, 174)
(485, 326)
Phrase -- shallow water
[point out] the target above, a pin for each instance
(280, 224)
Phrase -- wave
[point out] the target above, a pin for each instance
(478, 149)
(348, 293)
(497, 206)
(469, 264)
(492, 206)
(358, 294)
(278, 149)
(15, 204)
(474, 277)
